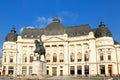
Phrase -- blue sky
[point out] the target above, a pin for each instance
(38, 13)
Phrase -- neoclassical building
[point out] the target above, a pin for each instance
(74, 50)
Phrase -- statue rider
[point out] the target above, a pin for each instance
(39, 48)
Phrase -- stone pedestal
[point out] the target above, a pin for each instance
(42, 58)
(39, 67)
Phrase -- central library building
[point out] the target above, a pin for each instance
(75, 50)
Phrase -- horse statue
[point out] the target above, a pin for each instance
(39, 48)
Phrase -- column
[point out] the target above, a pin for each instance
(75, 53)
(75, 69)
(106, 69)
(83, 70)
(82, 52)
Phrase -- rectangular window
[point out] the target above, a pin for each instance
(54, 45)
(79, 70)
(102, 69)
(61, 72)
(10, 70)
(24, 70)
(61, 60)
(47, 45)
(30, 69)
(72, 70)
(48, 60)
(86, 69)
(47, 72)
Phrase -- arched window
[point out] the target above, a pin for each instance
(4, 58)
(48, 57)
(54, 57)
(79, 56)
(109, 56)
(31, 58)
(61, 57)
(86, 56)
(24, 58)
(11, 59)
(72, 57)
(101, 57)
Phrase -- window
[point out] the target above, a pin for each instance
(101, 57)
(11, 59)
(102, 69)
(47, 72)
(24, 70)
(48, 57)
(86, 56)
(61, 45)
(61, 57)
(10, 70)
(31, 58)
(24, 58)
(4, 58)
(61, 66)
(86, 69)
(54, 45)
(47, 45)
(30, 69)
(109, 56)
(72, 70)
(54, 57)
(72, 57)
(79, 57)
(79, 70)
(47, 67)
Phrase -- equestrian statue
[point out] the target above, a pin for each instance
(39, 48)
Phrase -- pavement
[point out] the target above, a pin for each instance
(60, 78)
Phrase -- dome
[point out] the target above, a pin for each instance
(12, 36)
(102, 31)
(54, 28)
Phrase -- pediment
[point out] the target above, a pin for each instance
(54, 39)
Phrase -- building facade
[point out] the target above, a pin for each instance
(75, 50)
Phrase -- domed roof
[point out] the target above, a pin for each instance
(54, 28)
(102, 31)
(12, 36)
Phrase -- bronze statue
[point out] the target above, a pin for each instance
(39, 48)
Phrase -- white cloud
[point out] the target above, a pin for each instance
(49, 20)
(41, 19)
(44, 20)
(25, 27)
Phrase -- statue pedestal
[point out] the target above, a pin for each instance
(42, 58)
(39, 67)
